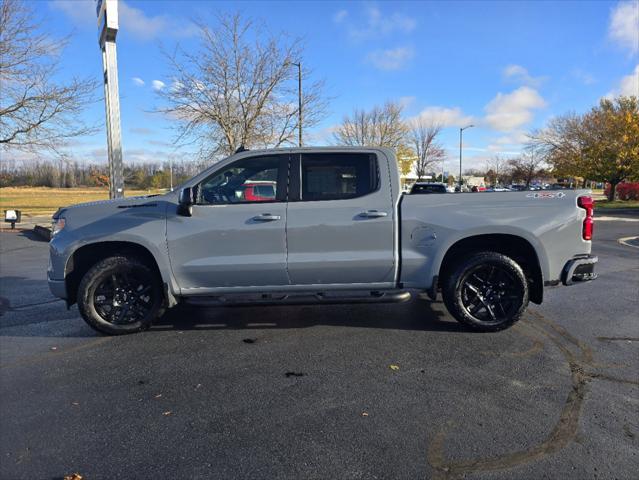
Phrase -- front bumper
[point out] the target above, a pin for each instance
(579, 269)
(58, 288)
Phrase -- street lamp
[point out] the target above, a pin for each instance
(299, 100)
(461, 130)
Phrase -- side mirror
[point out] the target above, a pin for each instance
(186, 200)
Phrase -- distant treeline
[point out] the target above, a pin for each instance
(65, 174)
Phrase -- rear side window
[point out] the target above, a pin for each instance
(336, 176)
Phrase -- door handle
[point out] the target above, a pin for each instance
(266, 217)
(373, 214)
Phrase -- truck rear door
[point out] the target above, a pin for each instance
(340, 220)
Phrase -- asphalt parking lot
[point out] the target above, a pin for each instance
(393, 391)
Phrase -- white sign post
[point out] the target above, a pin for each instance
(107, 11)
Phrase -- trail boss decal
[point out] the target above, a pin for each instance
(546, 195)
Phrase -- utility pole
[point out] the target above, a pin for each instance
(299, 101)
(107, 12)
(461, 130)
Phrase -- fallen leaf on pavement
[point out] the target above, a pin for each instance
(73, 476)
(394, 367)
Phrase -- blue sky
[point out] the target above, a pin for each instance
(505, 66)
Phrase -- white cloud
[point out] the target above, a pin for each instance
(509, 111)
(407, 101)
(81, 12)
(624, 25)
(515, 138)
(446, 117)
(138, 81)
(132, 20)
(628, 85)
(376, 24)
(340, 16)
(391, 59)
(158, 85)
(519, 74)
(584, 77)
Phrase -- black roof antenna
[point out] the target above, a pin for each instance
(241, 149)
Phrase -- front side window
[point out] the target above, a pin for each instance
(248, 180)
(336, 176)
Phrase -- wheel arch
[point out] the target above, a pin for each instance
(514, 246)
(85, 256)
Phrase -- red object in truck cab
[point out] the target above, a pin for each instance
(259, 192)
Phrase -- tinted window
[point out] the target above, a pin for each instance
(329, 176)
(245, 181)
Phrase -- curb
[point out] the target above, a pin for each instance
(626, 241)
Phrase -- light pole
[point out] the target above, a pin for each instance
(299, 101)
(461, 130)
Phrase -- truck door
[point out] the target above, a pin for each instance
(340, 220)
(235, 238)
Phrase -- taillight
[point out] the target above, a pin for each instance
(589, 205)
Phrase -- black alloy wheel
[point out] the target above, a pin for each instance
(487, 291)
(120, 295)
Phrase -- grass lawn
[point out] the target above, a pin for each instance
(605, 204)
(45, 201)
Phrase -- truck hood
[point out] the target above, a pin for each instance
(101, 207)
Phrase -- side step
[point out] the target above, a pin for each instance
(325, 298)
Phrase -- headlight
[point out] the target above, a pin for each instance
(57, 225)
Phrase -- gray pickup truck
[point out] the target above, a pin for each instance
(316, 225)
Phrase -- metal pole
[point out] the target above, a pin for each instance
(299, 101)
(460, 158)
(171, 171)
(107, 11)
(460, 154)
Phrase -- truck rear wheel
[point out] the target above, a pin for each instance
(486, 291)
(120, 295)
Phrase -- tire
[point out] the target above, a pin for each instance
(120, 295)
(486, 291)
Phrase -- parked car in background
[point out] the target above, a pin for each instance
(421, 187)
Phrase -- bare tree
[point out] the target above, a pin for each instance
(528, 165)
(382, 126)
(238, 89)
(562, 144)
(496, 169)
(423, 140)
(36, 112)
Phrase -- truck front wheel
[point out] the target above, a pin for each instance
(120, 295)
(486, 291)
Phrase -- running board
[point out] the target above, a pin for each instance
(324, 298)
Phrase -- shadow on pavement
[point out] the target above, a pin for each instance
(415, 315)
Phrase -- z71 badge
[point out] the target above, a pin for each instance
(546, 195)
